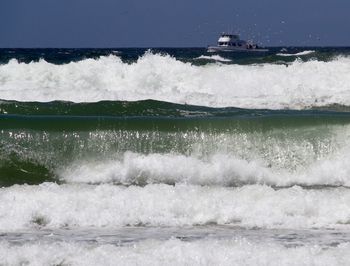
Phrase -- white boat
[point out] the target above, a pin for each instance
(232, 43)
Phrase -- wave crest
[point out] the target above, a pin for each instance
(161, 77)
(218, 170)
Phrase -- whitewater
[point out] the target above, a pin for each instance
(296, 85)
(174, 157)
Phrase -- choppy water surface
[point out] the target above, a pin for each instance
(174, 156)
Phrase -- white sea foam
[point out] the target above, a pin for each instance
(172, 252)
(297, 54)
(214, 57)
(55, 206)
(153, 76)
(220, 169)
(169, 168)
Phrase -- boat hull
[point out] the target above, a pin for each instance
(213, 49)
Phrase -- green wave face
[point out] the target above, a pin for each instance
(21, 171)
(145, 108)
(41, 146)
(103, 108)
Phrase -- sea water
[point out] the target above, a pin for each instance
(174, 156)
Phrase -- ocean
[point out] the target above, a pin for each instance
(174, 156)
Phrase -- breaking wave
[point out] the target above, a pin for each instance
(278, 151)
(299, 85)
(218, 170)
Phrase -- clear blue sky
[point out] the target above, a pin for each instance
(171, 23)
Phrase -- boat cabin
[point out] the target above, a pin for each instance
(232, 40)
(229, 40)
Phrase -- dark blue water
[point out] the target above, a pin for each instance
(63, 56)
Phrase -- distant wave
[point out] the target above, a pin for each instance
(297, 54)
(299, 85)
(214, 57)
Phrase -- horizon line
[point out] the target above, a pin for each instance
(171, 47)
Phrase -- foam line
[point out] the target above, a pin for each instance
(60, 206)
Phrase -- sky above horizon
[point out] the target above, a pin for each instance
(171, 23)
